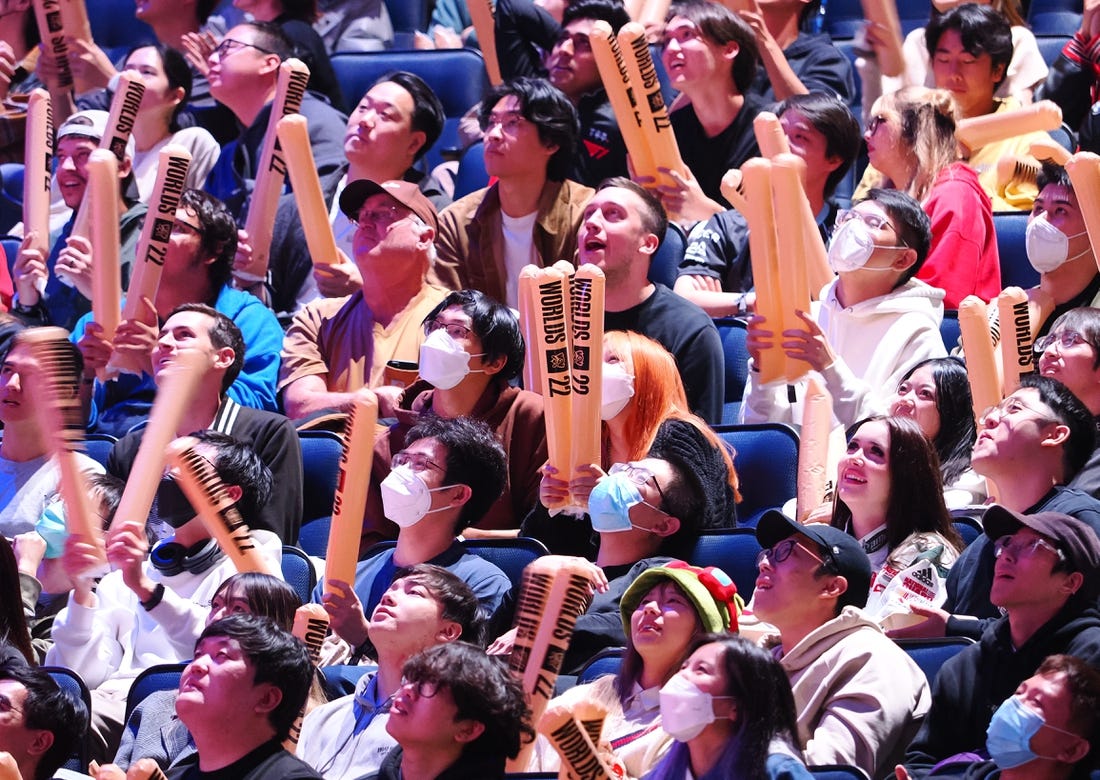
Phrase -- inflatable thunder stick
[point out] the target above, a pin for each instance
(350, 501)
(38, 159)
(481, 14)
(120, 125)
(1084, 173)
(271, 170)
(622, 94)
(1049, 149)
(532, 377)
(199, 481)
(634, 8)
(760, 216)
(173, 161)
(74, 15)
(885, 13)
(106, 271)
(1017, 356)
(769, 135)
(553, 593)
(787, 194)
(653, 12)
(981, 364)
(655, 124)
(813, 448)
(62, 419)
(176, 385)
(54, 36)
(733, 189)
(586, 317)
(311, 623)
(293, 131)
(574, 732)
(979, 131)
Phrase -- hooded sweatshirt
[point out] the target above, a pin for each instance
(859, 698)
(875, 342)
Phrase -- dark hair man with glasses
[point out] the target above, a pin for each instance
(449, 473)
(1031, 446)
(336, 346)
(871, 323)
(858, 696)
(1046, 580)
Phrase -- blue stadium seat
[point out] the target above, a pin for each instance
(11, 195)
(1050, 46)
(1015, 268)
(842, 18)
(931, 654)
(340, 679)
(603, 663)
(313, 536)
(408, 15)
(733, 332)
(665, 264)
(298, 572)
(837, 772)
(457, 76)
(732, 550)
(471, 175)
(162, 677)
(11, 249)
(767, 464)
(1054, 17)
(70, 681)
(98, 446)
(969, 528)
(949, 329)
(114, 24)
(321, 452)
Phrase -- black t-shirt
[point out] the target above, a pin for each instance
(267, 761)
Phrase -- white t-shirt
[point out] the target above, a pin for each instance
(519, 250)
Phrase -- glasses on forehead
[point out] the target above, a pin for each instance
(870, 219)
(640, 475)
(414, 460)
(509, 122)
(1010, 407)
(781, 551)
(231, 45)
(455, 330)
(1066, 339)
(1024, 548)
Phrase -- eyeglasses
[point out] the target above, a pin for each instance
(1024, 548)
(6, 706)
(455, 330)
(180, 228)
(1010, 406)
(1066, 339)
(875, 122)
(509, 122)
(640, 475)
(424, 689)
(781, 551)
(384, 215)
(415, 461)
(871, 220)
(231, 45)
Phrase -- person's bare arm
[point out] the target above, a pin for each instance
(706, 292)
(309, 394)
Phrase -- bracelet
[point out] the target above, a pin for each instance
(158, 594)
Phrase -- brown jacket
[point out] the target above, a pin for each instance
(470, 244)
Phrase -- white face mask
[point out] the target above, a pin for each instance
(443, 363)
(1047, 246)
(405, 497)
(685, 710)
(852, 246)
(617, 390)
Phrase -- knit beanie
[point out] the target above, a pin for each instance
(703, 468)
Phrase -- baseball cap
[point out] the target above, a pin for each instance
(1075, 538)
(839, 548)
(92, 124)
(404, 192)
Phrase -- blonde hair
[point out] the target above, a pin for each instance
(927, 119)
(658, 396)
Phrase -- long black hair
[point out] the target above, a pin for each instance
(957, 433)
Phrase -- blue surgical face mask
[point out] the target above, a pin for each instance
(609, 504)
(1008, 738)
(51, 527)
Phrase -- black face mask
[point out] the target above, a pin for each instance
(172, 505)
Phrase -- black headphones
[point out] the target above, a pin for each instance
(172, 558)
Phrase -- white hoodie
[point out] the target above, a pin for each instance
(875, 343)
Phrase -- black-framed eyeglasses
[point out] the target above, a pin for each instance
(181, 228)
(781, 551)
(875, 122)
(230, 45)
(424, 689)
(640, 475)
